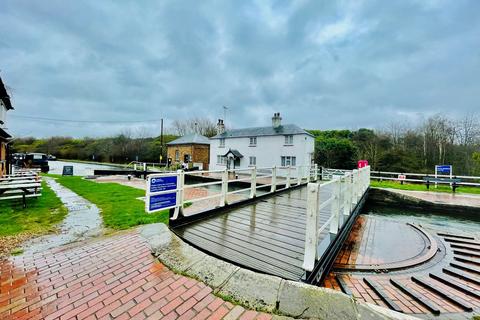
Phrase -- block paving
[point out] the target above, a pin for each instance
(109, 278)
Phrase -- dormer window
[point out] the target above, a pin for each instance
(253, 142)
(289, 140)
(222, 142)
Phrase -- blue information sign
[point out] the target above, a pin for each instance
(158, 184)
(161, 201)
(446, 169)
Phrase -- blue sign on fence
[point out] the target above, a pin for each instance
(158, 184)
(162, 201)
(445, 169)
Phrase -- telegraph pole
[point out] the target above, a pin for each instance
(161, 140)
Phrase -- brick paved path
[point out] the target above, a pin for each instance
(110, 278)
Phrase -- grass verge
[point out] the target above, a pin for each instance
(41, 214)
(422, 187)
(119, 205)
(18, 224)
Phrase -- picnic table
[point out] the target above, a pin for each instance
(18, 178)
(20, 189)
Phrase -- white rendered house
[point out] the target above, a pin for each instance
(275, 145)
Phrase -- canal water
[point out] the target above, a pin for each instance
(79, 169)
(453, 223)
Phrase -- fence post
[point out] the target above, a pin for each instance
(311, 226)
(180, 195)
(274, 179)
(135, 167)
(253, 184)
(335, 207)
(223, 198)
(348, 198)
(289, 169)
(359, 186)
(315, 177)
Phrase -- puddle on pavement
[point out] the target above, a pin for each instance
(82, 221)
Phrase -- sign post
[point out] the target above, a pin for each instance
(162, 192)
(443, 170)
(67, 171)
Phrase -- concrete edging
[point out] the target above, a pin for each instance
(254, 290)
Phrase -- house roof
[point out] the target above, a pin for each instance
(4, 96)
(262, 131)
(235, 153)
(192, 138)
(4, 134)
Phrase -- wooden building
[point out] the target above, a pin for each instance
(5, 105)
(192, 149)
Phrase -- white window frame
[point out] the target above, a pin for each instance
(289, 140)
(177, 155)
(252, 142)
(222, 142)
(288, 161)
(222, 160)
(252, 161)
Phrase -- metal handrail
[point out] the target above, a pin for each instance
(305, 174)
(347, 191)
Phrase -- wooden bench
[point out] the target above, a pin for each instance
(20, 189)
(454, 182)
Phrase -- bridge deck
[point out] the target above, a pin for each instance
(267, 236)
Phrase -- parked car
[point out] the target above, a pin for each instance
(51, 157)
(36, 160)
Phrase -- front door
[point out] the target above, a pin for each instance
(231, 163)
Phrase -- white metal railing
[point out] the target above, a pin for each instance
(167, 190)
(420, 178)
(345, 192)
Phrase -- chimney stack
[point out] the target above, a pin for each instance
(220, 126)
(276, 120)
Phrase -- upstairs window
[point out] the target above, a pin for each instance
(222, 142)
(253, 141)
(289, 140)
(253, 161)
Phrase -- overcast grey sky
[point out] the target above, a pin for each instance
(321, 64)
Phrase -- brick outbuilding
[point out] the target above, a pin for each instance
(192, 149)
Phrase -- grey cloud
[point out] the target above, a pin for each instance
(321, 64)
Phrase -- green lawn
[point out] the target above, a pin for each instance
(422, 187)
(40, 216)
(119, 204)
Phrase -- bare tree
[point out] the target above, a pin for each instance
(203, 126)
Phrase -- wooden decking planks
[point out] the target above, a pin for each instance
(267, 236)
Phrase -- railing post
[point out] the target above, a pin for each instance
(180, 195)
(289, 171)
(359, 186)
(347, 198)
(299, 175)
(253, 184)
(311, 230)
(274, 179)
(335, 207)
(223, 198)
